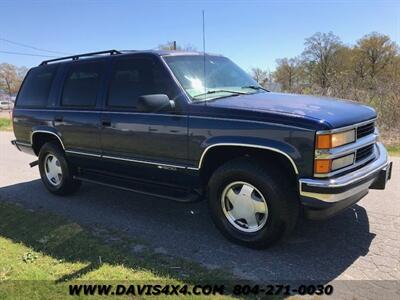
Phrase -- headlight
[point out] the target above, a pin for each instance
(327, 141)
(323, 166)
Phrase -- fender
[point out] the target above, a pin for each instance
(48, 130)
(286, 150)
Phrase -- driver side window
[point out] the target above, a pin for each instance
(135, 77)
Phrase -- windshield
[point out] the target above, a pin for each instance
(223, 78)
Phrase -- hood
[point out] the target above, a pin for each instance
(331, 111)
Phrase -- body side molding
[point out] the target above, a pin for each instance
(158, 164)
(82, 153)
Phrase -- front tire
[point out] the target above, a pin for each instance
(56, 173)
(250, 204)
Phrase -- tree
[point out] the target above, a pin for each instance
(342, 80)
(260, 75)
(373, 54)
(368, 72)
(320, 52)
(11, 78)
(287, 73)
(170, 45)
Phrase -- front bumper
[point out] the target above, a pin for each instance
(323, 198)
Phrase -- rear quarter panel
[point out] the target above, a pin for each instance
(25, 120)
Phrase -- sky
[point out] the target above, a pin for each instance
(251, 33)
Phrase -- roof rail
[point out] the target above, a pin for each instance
(78, 56)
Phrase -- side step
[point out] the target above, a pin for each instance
(154, 190)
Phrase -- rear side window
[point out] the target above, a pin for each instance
(36, 88)
(135, 77)
(81, 85)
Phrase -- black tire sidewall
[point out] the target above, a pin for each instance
(66, 181)
(256, 176)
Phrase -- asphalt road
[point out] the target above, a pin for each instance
(362, 243)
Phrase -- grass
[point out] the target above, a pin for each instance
(393, 150)
(41, 254)
(5, 124)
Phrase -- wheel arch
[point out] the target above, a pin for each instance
(212, 158)
(41, 136)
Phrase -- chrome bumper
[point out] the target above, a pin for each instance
(350, 186)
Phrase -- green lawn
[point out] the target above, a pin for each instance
(5, 124)
(393, 150)
(41, 254)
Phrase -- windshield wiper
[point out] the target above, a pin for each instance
(254, 87)
(219, 91)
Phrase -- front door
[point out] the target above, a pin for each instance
(145, 145)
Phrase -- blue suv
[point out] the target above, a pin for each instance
(186, 126)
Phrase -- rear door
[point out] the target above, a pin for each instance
(145, 145)
(78, 116)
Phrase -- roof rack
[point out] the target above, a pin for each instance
(78, 56)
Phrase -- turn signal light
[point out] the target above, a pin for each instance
(322, 166)
(324, 141)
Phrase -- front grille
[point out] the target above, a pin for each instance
(364, 152)
(365, 130)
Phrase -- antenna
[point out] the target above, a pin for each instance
(204, 60)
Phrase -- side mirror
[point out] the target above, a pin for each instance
(154, 103)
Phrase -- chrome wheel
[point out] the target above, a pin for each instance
(53, 170)
(244, 206)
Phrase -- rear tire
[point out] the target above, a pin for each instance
(271, 201)
(56, 173)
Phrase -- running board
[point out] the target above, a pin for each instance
(185, 197)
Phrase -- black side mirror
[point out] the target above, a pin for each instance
(154, 103)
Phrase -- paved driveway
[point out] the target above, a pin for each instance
(361, 243)
(5, 114)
